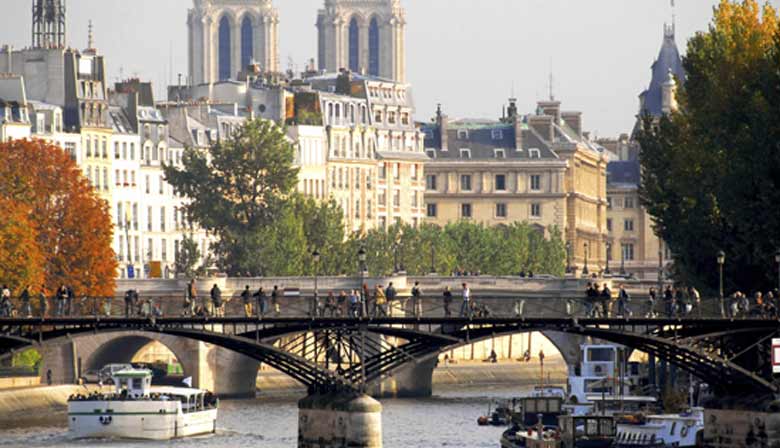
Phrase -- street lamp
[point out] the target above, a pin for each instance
(609, 256)
(568, 257)
(433, 258)
(721, 262)
(362, 295)
(315, 256)
(585, 268)
(622, 261)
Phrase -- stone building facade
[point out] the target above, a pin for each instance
(226, 36)
(364, 36)
(538, 168)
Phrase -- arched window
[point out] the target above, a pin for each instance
(354, 45)
(247, 48)
(224, 49)
(373, 48)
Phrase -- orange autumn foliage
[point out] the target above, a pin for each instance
(72, 223)
(21, 261)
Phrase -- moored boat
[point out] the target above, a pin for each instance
(136, 410)
(663, 430)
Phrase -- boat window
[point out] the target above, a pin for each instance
(601, 354)
(137, 383)
(671, 431)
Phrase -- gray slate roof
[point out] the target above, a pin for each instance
(623, 172)
(668, 59)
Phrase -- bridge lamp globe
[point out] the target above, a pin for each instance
(721, 257)
(362, 255)
(315, 256)
(777, 256)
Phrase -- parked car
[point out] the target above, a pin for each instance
(107, 372)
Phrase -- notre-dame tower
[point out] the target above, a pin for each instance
(365, 36)
(48, 29)
(225, 36)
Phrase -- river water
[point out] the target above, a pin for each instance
(448, 419)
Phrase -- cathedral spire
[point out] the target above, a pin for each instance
(90, 36)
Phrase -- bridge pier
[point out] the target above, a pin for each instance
(337, 420)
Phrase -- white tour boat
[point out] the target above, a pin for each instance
(661, 431)
(136, 410)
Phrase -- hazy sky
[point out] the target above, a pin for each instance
(465, 54)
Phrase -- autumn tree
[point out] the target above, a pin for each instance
(21, 260)
(71, 224)
(711, 171)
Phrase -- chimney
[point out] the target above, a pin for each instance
(669, 94)
(551, 108)
(543, 125)
(344, 82)
(443, 122)
(574, 121)
(517, 124)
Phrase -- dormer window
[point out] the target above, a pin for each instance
(431, 153)
(499, 153)
(534, 153)
(497, 134)
(463, 134)
(465, 153)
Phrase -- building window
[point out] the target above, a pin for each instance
(629, 203)
(116, 151)
(162, 219)
(609, 202)
(536, 182)
(149, 218)
(465, 211)
(430, 182)
(499, 153)
(383, 171)
(500, 182)
(534, 153)
(149, 249)
(162, 185)
(431, 210)
(465, 153)
(628, 225)
(373, 47)
(414, 199)
(357, 209)
(628, 251)
(536, 210)
(500, 210)
(382, 199)
(609, 224)
(164, 249)
(497, 134)
(396, 198)
(465, 182)
(463, 134)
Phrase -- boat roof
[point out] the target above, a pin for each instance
(132, 373)
(634, 398)
(181, 391)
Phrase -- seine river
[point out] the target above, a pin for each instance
(448, 419)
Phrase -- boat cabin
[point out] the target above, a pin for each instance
(534, 408)
(587, 430)
(133, 383)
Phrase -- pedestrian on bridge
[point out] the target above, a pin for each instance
(390, 294)
(417, 300)
(128, 303)
(69, 298)
(652, 299)
(262, 301)
(190, 297)
(354, 304)
(591, 295)
(465, 307)
(341, 304)
(25, 299)
(5, 302)
(62, 297)
(447, 301)
(669, 301)
(606, 300)
(275, 301)
(43, 302)
(380, 302)
(623, 299)
(246, 298)
(216, 301)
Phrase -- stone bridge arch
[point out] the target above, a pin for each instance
(211, 367)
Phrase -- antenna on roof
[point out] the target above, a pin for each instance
(552, 95)
(90, 37)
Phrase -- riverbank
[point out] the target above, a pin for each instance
(464, 373)
(22, 404)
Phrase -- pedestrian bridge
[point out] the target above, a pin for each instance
(329, 354)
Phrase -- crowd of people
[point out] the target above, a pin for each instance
(64, 300)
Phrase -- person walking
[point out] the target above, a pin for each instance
(190, 298)
(128, 303)
(341, 304)
(590, 299)
(391, 295)
(5, 302)
(262, 301)
(364, 297)
(447, 301)
(652, 299)
(216, 300)
(380, 302)
(465, 307)
(354, 303)
(69, 298)
(43, 303)
(417, 300)
(275, 301)
(623, 299)
(695, 300)
(246, 298)
(669, 301)
(62, 295)
(606, 300)
(24, 297)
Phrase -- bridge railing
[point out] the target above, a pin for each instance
(306, 305)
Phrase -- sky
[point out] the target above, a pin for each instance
(468, 55)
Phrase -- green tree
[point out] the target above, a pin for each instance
(189, 254)
(711, 171)
(237, 188)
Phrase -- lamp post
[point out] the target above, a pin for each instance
(568, 257)
(777, 260)
(315, 256)
(585, 268)
(721, 261)
(609, 256)
(622, 261)
(363, 298)
(433, 258)
(401, 251)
